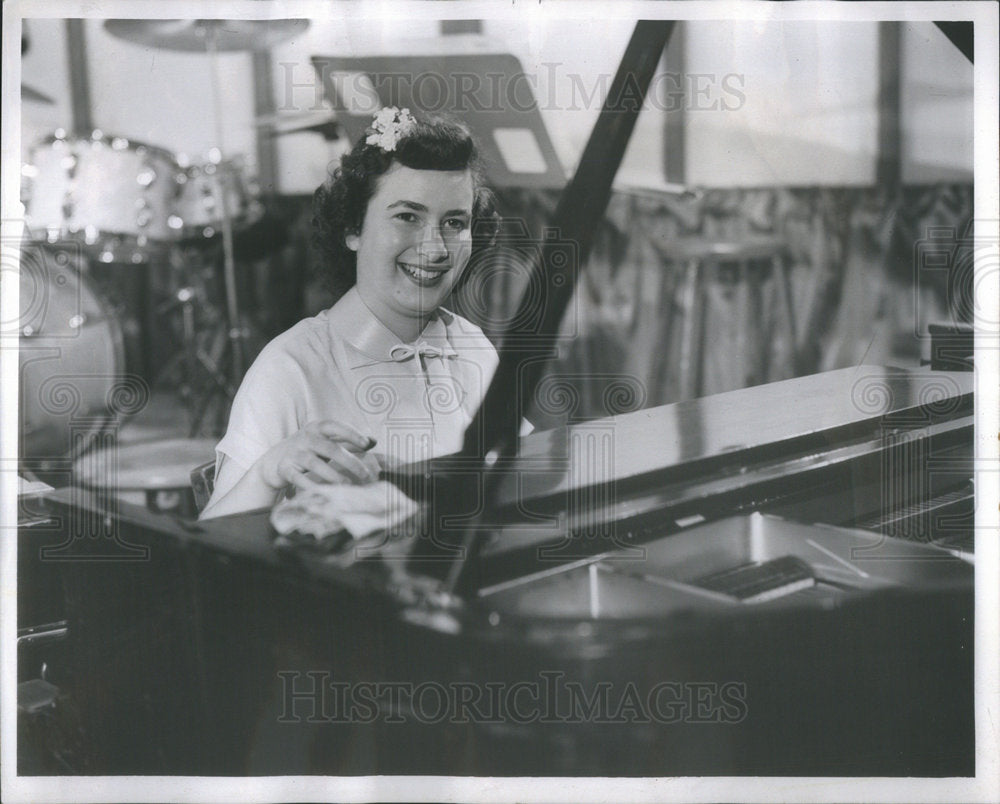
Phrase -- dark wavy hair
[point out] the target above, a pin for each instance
(340, 203)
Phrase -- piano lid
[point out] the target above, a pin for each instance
(820, 409)
(687, 439)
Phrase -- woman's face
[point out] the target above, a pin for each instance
(414, 244)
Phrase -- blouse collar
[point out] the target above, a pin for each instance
(372, 341)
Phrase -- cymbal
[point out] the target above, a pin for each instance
(193, 35)
(32, 94)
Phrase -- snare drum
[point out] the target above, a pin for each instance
(200, 194)
(113, 194)
(156, 474)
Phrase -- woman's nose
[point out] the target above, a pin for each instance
(432, 246)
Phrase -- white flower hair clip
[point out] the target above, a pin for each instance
(389, 126)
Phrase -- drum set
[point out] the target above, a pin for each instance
(125, 200)
(108, 200)
(100, 205)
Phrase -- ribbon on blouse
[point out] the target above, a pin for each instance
(402, 352)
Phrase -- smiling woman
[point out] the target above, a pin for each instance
(387, 375)
(414, 245)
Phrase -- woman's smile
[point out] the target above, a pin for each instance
(422, 277)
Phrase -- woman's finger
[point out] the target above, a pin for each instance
(371, 462)
(322, 469)
(302, 482)
(358, 469)
(345, 432)
(351, 465)
(292, 473)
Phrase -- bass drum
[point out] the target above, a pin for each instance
(73, 384)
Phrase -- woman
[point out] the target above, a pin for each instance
(387, 374)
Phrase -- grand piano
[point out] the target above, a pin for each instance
(771, 581)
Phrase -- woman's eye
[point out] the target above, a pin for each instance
(455, 224)
(406, 217)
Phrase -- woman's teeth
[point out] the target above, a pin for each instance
(419, 273)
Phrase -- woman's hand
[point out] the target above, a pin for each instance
(330, 451)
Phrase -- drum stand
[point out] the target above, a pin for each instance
(212, 36)
(200, 359)
(210, 362)
(237, 332)
(230, 333)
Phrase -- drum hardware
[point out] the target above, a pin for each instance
(197, 370)
(235, 343)
(212, 361)
(212, 37)
(188, 357)
(137, 221)
(138, 233)
(203, 340)
(211, 196)
(185, 217)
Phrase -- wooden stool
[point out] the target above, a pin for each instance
(746, 264)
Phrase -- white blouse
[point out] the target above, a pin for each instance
(415, 399)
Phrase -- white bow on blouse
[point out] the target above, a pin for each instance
(403, 351)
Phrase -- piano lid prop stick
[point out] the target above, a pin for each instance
(493, 433)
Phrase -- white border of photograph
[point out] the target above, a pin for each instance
(984, 787)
